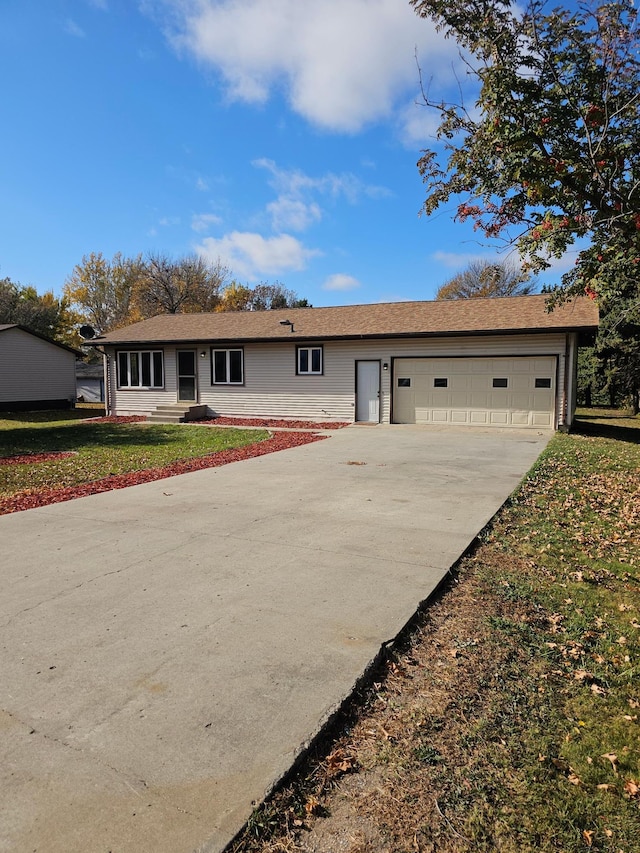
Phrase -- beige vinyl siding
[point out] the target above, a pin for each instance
(142, 401)
(271, 386)
(33, 370)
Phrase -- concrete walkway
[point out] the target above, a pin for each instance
(168, 649)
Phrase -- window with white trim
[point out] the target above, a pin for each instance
(141, 369)
(309, 361)
(227, 366)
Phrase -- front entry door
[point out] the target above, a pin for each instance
(187, 376)
(368, 391)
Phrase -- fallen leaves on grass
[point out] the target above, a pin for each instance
(631, 788)
(339, 762)
(29, 499)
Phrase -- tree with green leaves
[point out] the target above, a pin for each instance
(549, 151)
(44, 314)
(482, 279)
(104, 291)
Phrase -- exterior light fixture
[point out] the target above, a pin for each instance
(385, 366)
(203, 354)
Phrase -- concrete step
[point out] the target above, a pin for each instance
(163, 418)
(175, 413)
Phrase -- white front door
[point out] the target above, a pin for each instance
(368, 391)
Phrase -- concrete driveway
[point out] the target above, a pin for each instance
(168, 649)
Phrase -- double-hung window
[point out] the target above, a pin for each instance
(141, 369)
(309, 360)
(227, 367)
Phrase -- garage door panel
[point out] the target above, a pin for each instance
(520, 401)
(518, 391)
(459, 399)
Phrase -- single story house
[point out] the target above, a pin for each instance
(35, 372)
(500, 362)
(89, 382)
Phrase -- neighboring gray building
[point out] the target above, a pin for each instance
(500, 362)
(35, 372)
(89, 382)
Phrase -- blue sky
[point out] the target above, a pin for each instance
(278, 135)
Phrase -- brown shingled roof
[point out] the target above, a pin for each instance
(392, 319)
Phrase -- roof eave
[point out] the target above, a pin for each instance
(295, 338)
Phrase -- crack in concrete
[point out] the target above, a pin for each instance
(87, 581)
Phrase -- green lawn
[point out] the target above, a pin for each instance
(101, 449)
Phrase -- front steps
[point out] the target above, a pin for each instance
(176, 413)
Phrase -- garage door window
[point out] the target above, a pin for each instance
(404, 383)
(500, 383)
(440, 383)
(543, 382)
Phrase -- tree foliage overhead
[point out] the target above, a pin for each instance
(104, 290)
(550, 152)
(44, 314)
(181, 286)
(262, 297)
(483, 279)
(114, 293)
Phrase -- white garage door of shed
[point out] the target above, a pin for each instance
(500, 392)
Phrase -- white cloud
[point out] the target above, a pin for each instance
(340, 281)
(295, 208)
(418, 124)
(295, 183)
(342, 63)
(293, 214)
(73, 29)
(202, 222)
(251, 255)
(201, 185)
(457, 260)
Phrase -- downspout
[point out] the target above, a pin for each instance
(570, 380)
(106, 361)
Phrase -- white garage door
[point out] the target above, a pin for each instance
(501, 392)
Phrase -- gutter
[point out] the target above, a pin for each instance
(147, 342)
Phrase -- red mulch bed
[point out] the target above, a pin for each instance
(222, 420)
(280, 441)
(32, 458)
